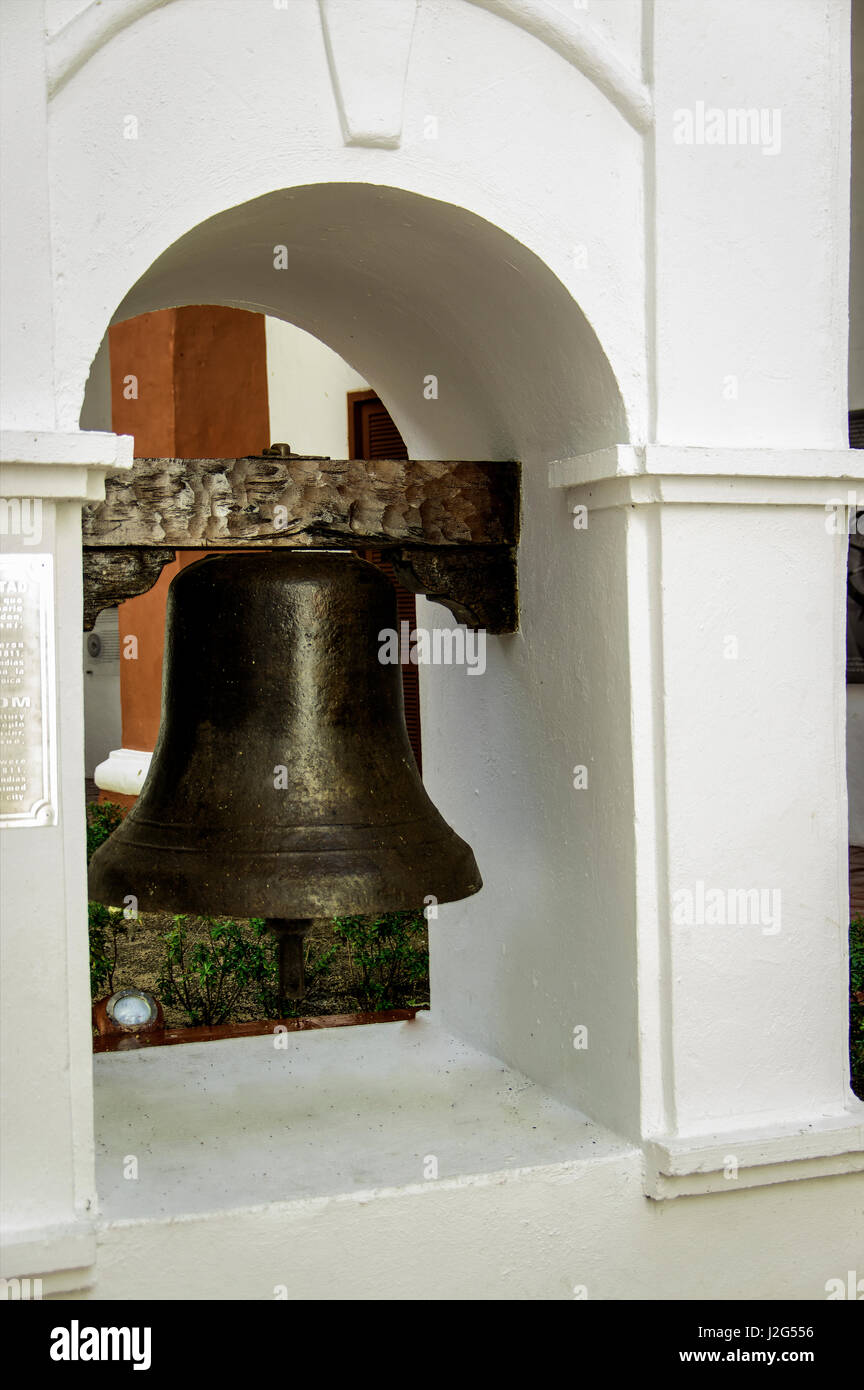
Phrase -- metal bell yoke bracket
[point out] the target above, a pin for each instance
(450, 529)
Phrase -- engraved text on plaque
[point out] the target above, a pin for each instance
(28, 743)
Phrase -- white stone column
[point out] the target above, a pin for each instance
(45, 1044)
(736, 564)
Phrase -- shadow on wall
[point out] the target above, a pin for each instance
(467, 336)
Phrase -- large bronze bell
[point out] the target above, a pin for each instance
(283, 784)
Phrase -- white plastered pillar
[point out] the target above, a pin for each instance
(46, 1126)
(47, 1163)
(735, 581)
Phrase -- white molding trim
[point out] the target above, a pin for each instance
(65, 467)
(67, 1250)
(582, 47)
(678, 1166)
(641, 475)
(368, 48)
(70, 48)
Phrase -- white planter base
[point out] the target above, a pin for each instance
(124, 770)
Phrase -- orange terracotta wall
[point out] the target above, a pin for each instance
(142, 381)
(142, 635)
(221, 408)
(187, 383)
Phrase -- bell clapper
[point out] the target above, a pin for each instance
(291, 935)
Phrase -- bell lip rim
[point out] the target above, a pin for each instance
(302, 912)
(256, 905)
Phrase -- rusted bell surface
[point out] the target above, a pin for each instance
(283, 784)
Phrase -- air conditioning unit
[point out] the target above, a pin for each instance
(102, 645)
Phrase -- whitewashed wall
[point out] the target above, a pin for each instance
(855, 693)
(308, 385)
(856, 288)
(489, 193)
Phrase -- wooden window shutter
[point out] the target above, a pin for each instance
(372, 434)
(371, 430)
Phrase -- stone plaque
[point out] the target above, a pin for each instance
(28, 741)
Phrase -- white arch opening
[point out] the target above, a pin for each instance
(405, 288)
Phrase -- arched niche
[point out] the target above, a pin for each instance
(477, 348)
(405, 288)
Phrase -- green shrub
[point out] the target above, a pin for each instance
(237, 964)
(389, 956)
(856, 1004)
(103, 818)
(207, 978)
(106, 926)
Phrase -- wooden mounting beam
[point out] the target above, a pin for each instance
(451, 528)
(110, 576)
(188, 503)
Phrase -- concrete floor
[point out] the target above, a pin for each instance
(221, 1125)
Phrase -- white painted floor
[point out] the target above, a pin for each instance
(222, 1125)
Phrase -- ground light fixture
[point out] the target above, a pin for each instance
(128, 1010)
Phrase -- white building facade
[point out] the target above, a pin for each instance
(610, 240)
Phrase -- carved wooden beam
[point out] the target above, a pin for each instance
(222, 502)
(452, 527)
(113, 575)
(477, 583)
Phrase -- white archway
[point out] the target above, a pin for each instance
(72, 45)
(406, 288)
